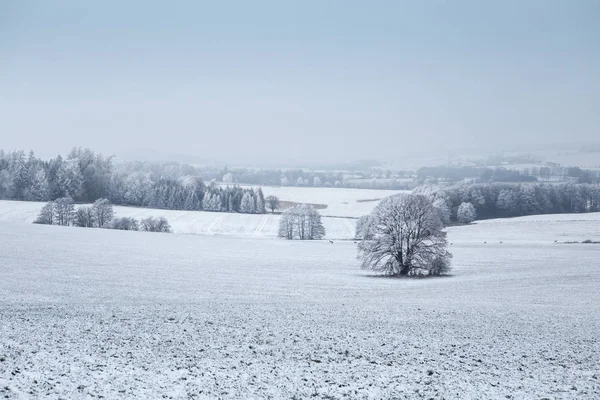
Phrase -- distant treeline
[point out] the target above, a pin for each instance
(86, 176)
(373, 179)
(498, 200)
(487, 174)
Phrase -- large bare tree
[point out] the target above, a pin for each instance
(405, 237)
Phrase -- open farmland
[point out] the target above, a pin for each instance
(339, 202)
(344, 204)
(93, 312)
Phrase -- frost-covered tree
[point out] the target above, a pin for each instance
(443, 210)
(260, 201)
(507, 202)
(247, 205)
(287, 225)
(5, 184)
(64, 211)
(19, 174)
(39, 189)
(301, 222)
(228, 178)
(46, 215)
(191, 201)
(272, 202)
(406, 237)
(466, 213)
(314, 225)
(152, 224)
(124, 224)
(84, 217)
(103, 212)
(317, 181)
(363, 227)
(207, 202)
(69, 179)
(300, 181)
(528, 200)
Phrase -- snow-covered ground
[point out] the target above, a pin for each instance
(93, 312)
(193, 222)
(340, 202)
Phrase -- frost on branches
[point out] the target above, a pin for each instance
(404, 236)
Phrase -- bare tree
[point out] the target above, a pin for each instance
(405, 237)
(272, 202)
(84, 217)
(103, 212)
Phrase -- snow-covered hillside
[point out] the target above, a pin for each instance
(193, 222)
(94, 312)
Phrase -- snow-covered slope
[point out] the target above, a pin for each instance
(90, 312)
(193, 222)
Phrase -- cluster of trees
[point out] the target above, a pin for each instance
(234, 199)
(85, 176)
(404, 236)
(499, 200)
(100, 214)
(301, 222)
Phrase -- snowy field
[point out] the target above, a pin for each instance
(197, 222)
(87, 313)
(340, 202)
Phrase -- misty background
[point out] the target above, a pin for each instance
(301, 81)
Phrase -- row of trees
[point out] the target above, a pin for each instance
(62, 211)
(499, 200)
(301, 222)
(234, 199)
(86, 176)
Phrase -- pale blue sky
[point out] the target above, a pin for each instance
(303, 80)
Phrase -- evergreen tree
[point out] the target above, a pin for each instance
(247, 205)
(260, 202)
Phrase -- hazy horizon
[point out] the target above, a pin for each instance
(304, 81)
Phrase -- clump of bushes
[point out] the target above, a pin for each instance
(125, 224)
(152, 224)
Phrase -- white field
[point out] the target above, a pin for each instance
(200, 222)
(94, 312)
(340, 202)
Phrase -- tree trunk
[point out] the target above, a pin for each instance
(405, 269)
